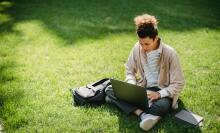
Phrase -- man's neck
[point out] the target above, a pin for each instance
(157, 44)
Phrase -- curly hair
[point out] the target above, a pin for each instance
(145, 19)
(146, 26)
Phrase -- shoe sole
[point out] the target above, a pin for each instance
(146, 124)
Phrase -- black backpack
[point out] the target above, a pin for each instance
(93, 94)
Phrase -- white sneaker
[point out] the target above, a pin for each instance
(149, 121)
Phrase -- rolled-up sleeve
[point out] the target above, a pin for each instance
(164, 93)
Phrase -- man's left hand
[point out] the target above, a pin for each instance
(153, 96)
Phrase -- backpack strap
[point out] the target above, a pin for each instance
(100, 81)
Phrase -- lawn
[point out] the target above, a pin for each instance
(50, 46)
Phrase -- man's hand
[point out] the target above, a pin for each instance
(153, 96)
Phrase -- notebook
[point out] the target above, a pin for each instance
(189, 117)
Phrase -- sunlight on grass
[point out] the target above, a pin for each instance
(50, 68)
(43, 55)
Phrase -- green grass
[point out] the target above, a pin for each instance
(48, 47)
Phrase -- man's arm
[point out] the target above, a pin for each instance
(176, 81)
(176, 78)
(131, 68)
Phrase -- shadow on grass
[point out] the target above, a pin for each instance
(6, 77)
(10, 95)
(130, 123)
(168, 124)
(76, 20)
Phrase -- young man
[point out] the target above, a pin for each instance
(154, 65)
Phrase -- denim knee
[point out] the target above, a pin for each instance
(160, 107)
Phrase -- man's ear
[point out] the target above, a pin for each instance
(156, 38)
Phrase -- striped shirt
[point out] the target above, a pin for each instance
(151, 69)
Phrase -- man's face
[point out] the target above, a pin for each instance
(148, 44)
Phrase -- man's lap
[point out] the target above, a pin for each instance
(159, 107)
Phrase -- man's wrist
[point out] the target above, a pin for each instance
(159, 96)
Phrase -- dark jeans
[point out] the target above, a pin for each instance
(159, 107)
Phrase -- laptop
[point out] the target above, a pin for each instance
(130, 93)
